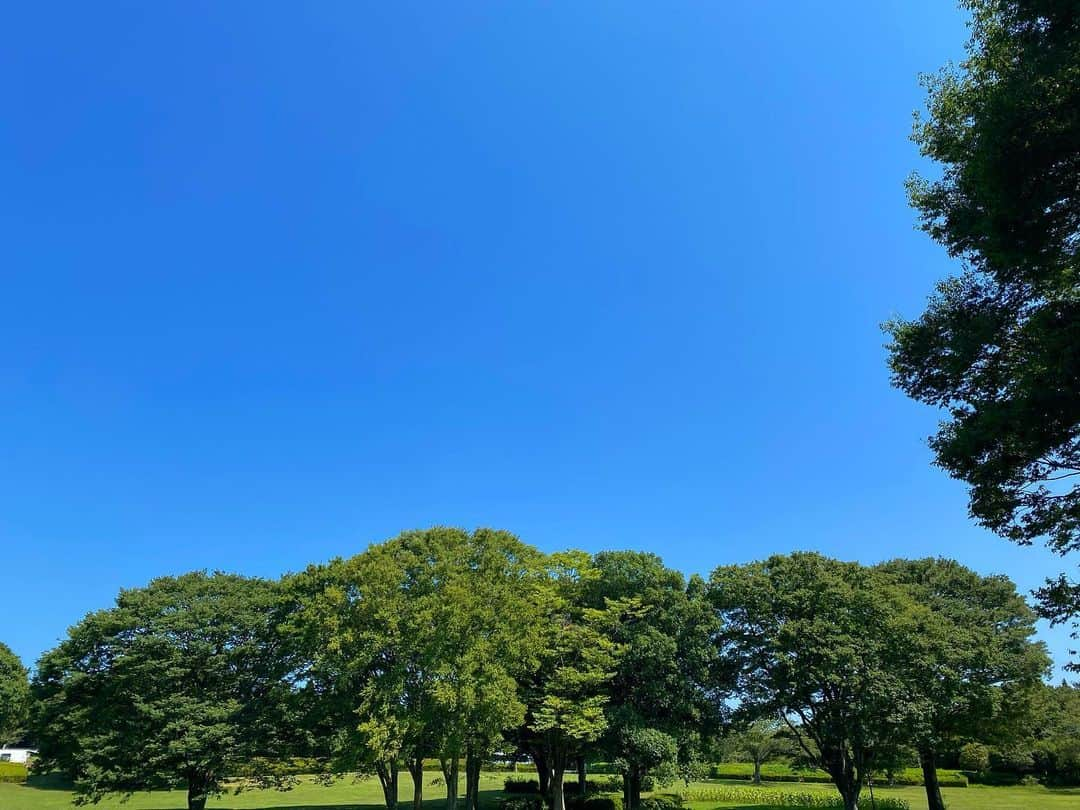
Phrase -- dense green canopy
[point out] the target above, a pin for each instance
(999, 345)
(14, 696)
(182, 681)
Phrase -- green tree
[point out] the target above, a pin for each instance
(662, 701)
(414, 647)
(999, 345)
(760, 741)
(185, 679)
(1052, 746)
(14, 696)
(820, 644)
(975, 665)
(566, 693)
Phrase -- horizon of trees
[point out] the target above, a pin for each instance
(450, 645)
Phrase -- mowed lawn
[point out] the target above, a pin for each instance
(349, 793)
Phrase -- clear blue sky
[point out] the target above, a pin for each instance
(281, 279)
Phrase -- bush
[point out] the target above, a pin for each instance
(781, 798)
(295, 766)
(662, 801)
(975, 757)
(528, 786)
(521, 803)
(13, 772)
(612, 784)
(784, 773)
(599, 803)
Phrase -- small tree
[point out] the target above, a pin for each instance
(14, 696)
(758, 743)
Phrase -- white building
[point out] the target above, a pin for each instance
(16, 754)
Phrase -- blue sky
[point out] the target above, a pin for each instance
(281, 279)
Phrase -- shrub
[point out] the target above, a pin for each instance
(521, 803)
(662, 801)
(784, 773)
(599, 803)
(612, 784)
(781, 798)
(529, 786)
(13, 772)
(975, 757)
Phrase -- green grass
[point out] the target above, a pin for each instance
(349, 794)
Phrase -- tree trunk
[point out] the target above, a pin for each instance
(472, 780)
(450, 774)
(850, 795)
(543, 775)
(558, 770)
(626, 791)
(928, 761)
(582, 776)
(198, 787)
(416, 771)
(635, 789)
(388, 779)
(757, 771)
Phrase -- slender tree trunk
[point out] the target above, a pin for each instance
(198, 788)
(416, 771)
(635, 789)
(388, 779)
(558, 770)
(626, 790)
(928, 761)
(757, 771)
(472, 780)
(468, 778)
(450, 774)
(582, 777)
(543, 775)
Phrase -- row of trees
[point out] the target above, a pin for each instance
(453, 645)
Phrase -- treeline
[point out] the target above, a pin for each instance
(456, 646)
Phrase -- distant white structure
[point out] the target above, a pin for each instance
(17, 754)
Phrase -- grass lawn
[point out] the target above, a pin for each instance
(348, 793)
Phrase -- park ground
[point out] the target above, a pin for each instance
(351, 794)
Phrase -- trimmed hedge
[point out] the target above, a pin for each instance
(521, 786)
(521, 803)
(782, 798)
(783, 773)
(604, 802)
(13, 772)
(662, 801)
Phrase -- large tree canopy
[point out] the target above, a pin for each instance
(663, 697)
(14, 695)
(181, 681)
(415, 647)
(999, 346)
(822, 645)
(973, 663)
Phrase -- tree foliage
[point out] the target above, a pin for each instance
(999, 345)
(972, 664)
(182, 681)
(14, 696)
(664, 698)
(821, 644)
